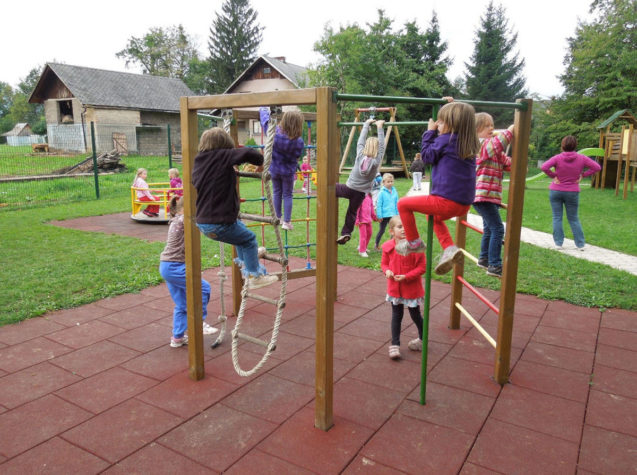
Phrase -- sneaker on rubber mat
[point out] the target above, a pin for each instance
(261, 281)
(209, 329)
(177, 342)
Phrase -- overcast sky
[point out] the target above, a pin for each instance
(86, 33)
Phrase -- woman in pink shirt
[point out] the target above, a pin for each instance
(567, 169)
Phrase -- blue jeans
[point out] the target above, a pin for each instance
(174, 273)
(570, 201)
(492, 232)
(243, 240)
(282, 188)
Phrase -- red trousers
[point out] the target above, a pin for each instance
(441, 209)
(150, 208)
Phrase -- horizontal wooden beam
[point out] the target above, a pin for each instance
(273, 98)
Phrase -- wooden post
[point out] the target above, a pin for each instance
(515, 207)
(607, 151)
(189, 139)
(458, 270)
(619, 161)
(629, 145)
(327, 152)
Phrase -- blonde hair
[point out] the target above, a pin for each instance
(393, 222)
(483, 120)
(418, 156)
(173, 173)
(387, 176)
(292, 124)
(215, 138)
(371, 147)
(140, 171)
(176, 205)
(460, 117)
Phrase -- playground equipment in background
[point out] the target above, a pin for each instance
(163, 191)
(620, 148)
(390, 124)
(328, 145)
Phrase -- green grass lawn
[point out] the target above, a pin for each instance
(45, 267)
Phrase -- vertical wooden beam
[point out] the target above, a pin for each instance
(619, 161)
(458, 270)
(628, 159)
(515, 207)
(189, 139)
(327, 153)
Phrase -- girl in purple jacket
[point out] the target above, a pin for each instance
(288, 147)
(567, 169)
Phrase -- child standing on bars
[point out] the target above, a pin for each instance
(364, 218)
(143, 193)
(369, 154)
(492, 162)
(172, 267)
(404, 286)
(386, 205)
(288, 147)
(450, 145)
(215, 179)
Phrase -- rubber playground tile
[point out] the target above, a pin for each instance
(344, 313)
(364, 465)
(617, 319)
(604, 451)
(618, 338)
(355, 299)
(83, 314)
(123, 301)
(576, 340)
(449, 407)
(304, 326)
(85, 334)
(156, 459)
(28, 353)
(529, 305)
(161, 363)
(402, 376)
(473, 469)
(32, 383)
(550, 380)
(612, 412)
(27, 330)
(259, 462)
(185, 397)
(300, 369)
(222, 367)
(614, 357)
(121, 430)
(105, 390)
(353, 348)
(565, 308)
(474, 347)
(146, 338)
(287, 345)
(365, 403)
(270, 398)
(507, 448)
(297, 441)
(135, 317)
(558, 357)
(372, 329)
(35, 422)
(441, 333)
(614, 381)
(540, 412)
(54, 456)
(217, 437)
(156, 291)
(95, 358)
(466, 375)
(571, 321)
(418, 447)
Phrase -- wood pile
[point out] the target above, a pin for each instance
(106, 162)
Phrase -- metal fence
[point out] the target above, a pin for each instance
(81, 162)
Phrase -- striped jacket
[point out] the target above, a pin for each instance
(491, 164)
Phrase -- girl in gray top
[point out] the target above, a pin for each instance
(369, 154)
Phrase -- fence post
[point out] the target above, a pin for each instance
(170, 148)
(95, 172)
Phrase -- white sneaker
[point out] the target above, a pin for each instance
(287, 225)
(261, 252)
(415, 344)
(261, 281)
(209, 329)
(449, 256)
(363, 254)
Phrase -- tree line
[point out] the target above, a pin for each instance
(381, 58)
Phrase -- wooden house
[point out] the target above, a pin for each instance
(130, 111)
(618, 139)
(21, 134)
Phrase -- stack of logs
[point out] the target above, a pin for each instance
(106, 161)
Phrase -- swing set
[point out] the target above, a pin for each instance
(328, 148)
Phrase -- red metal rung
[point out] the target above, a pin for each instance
(479, 295)
(471, 226)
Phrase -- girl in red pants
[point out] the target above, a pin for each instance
(450, 145)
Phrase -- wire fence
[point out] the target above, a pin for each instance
(81, 162)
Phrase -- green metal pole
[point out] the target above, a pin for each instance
(422, 100)
(95, 172)
(170, 148)
(427, 303)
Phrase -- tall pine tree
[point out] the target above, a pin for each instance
(495, 71)
(234, 38)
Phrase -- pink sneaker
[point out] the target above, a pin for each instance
(177, 342)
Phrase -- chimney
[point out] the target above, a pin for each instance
(280, 58)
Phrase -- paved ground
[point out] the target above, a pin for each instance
(97, 388)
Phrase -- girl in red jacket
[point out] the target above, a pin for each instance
(404, 286)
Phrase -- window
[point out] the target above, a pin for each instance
(66, 112)
(266, 71)
(256, 127)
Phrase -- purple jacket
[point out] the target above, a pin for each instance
(285, 152)
(452, 178)
(569, 167)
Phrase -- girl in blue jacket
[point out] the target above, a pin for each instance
(386, 205)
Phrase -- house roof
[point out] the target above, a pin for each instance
(99, 87)
(622, 114)
(292, 72)
(18, 129)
